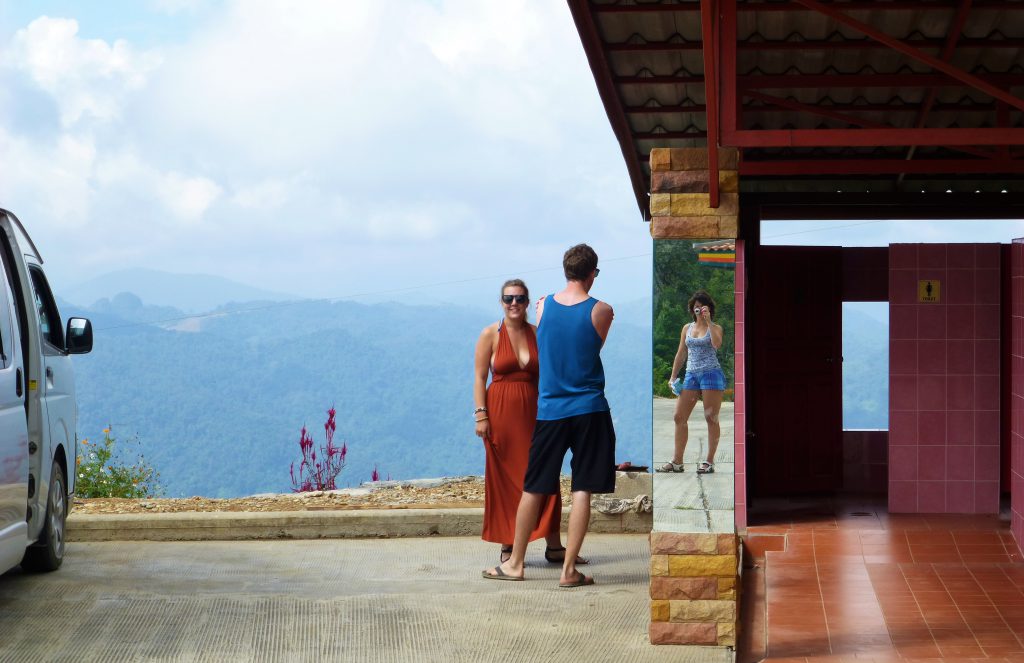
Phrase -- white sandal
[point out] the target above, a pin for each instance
(670, 467)
(706, 468)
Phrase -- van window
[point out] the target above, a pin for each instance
(6, 325)
(49, 318)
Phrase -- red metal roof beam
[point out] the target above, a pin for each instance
(732, 104)
(871, 137)
(956, 28)
(803, 81)
(709, 33)
(795, 6)
(817, 167)
(855, 44)
(1003, 120)
(808, 45)
(841, 117)
(931, 61)
(824, 111)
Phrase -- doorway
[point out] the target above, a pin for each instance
(798, 442)
(796, 379)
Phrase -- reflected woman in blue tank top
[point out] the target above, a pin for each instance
(698, 349)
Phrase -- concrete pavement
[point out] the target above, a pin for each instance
(687, 501)
(410, 599)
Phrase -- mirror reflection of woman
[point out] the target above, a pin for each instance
(505, 415)
(698, 349)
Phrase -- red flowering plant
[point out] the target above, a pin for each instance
(318, 472)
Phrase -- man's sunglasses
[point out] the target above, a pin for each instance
(518, 299)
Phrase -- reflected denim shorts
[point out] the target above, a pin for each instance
(713, 379)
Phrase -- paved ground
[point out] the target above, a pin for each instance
(329, 600)
(687, 501)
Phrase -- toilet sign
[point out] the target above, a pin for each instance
(928, 291)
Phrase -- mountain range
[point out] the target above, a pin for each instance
(217, 399)
(189, 293)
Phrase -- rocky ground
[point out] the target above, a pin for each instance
(423, 494)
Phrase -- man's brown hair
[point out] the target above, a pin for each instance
(579, 262)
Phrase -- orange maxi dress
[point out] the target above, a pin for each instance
(512, 411)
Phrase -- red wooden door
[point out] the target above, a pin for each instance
(797, 385)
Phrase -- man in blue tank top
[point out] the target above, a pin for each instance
(572, 413)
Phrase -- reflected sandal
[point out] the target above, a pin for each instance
(670, 467)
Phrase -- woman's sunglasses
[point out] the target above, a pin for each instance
(518, 299)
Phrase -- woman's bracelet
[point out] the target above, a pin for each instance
(479, 410)
(481, 419)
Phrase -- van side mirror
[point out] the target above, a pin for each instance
(79, 336)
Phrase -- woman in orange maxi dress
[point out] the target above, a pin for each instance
(505, 414)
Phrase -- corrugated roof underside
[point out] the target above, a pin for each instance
(979, 52)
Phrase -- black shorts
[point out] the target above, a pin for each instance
(592, 440)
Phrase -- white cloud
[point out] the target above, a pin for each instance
(282, 83)
(187, 197)
(418, 222)
(85, 77)
(440, 137)
(52, 176)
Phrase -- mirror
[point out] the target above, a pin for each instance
(689, 275)
(79, 336)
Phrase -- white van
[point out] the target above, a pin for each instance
(38, 414)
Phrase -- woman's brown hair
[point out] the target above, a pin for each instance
(703, 298)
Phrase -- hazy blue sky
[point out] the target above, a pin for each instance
(883, 233)
(318, 148)
(327, 148)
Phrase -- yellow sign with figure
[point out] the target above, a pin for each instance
(928, 291)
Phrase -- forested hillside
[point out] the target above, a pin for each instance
(219, 409)
(865, 371)
(677, 275)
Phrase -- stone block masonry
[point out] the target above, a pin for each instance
(694, 597)
(679, 202)
(694, 576)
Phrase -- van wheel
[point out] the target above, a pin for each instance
(48, 553)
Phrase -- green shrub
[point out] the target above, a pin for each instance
(104, 472)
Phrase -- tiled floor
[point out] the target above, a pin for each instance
(846, 581)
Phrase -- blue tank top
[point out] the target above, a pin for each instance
(701, 355)
(569, 349)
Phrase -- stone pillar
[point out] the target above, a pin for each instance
(679, 194)
(694, 575)
(694, 580)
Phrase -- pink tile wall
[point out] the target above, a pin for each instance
(944, 379)
(740, 383)
(865, 461)
(1017, 392)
